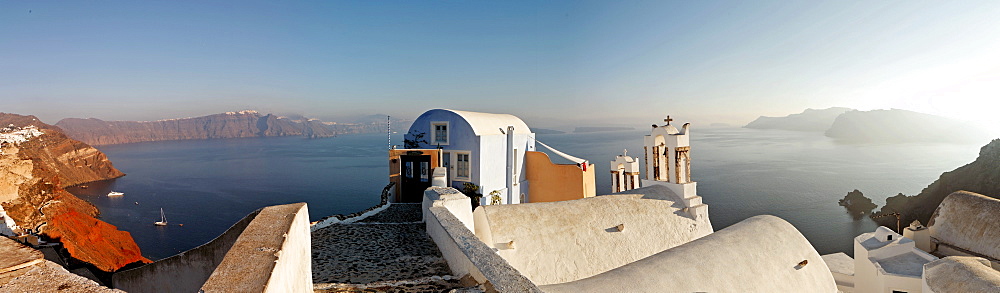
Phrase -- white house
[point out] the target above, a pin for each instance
(885, 261)
(480, 148)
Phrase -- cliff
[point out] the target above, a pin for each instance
(895, 125)
(225, 125)
(36, 162)
(981, 176)
(808, 120)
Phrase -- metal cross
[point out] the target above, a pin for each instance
(668, 120)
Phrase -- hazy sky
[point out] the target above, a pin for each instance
(549, 62)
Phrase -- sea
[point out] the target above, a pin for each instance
(205, 186)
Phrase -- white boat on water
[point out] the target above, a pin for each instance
(115, 193)
(163, 219)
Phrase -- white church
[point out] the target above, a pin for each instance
(493, 152)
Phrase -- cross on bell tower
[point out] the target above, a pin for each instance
(668, 120)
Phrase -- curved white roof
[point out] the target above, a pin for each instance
(489, 123)
(969, 221)
(759, 254)
(961, 274)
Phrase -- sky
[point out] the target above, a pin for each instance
(549, 62)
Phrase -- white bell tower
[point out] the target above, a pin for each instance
(668, 162)
(668, 154)
(624, 173)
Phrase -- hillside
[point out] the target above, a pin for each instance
(895, 125)
(225, 125)
(981, 176)
(808, 120)
(36, 162)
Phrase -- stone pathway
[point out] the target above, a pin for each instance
(386, 252)
(397, 213)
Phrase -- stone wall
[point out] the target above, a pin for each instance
(186, 271)
(266, 251)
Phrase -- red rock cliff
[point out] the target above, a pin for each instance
(33, 173)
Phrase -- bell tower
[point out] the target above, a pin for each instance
(624, 173)
(667, 160)
(667, 153)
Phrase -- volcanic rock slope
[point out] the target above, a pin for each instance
(981, 176)
(33, 172)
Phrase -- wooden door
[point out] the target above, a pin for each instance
(416, 177)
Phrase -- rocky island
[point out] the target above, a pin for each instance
(37, 161)
(240, 124)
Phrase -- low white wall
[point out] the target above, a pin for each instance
(273, 254)
(464, 252)
(456, 202)
(458, 262)
(293, 270)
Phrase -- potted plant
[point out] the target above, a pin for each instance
(472, 191)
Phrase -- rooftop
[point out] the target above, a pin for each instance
(962, 274)
(870, 241)
(959, 221)
(839, 263)
(22, 269)
(907, 264)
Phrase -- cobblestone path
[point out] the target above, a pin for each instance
(386, 252)
(397, 213)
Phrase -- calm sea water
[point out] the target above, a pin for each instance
(208, 185)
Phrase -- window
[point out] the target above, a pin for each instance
(425, 171)
(439, 133)
(462, 165)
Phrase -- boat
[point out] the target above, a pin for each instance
(163, 219)
(115, 193)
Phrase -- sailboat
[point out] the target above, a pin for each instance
(163, 219)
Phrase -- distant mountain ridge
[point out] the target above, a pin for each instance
(240, 124)
(896, 125)
(884, 126)
(808, 120)
(585, 129)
